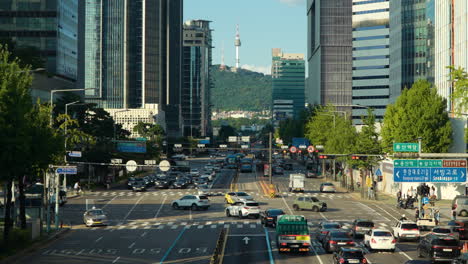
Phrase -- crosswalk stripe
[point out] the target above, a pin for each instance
(213, 226)
(226, 226)
(174, 227)
(200, 226)
(160, 227)
(253, 226)
(239, 226)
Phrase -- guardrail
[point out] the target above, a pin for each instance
(218, 254)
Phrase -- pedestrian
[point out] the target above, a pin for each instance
(403, 218)
(454, 213)
(398, 196)
(416, 214)
(409, 193)
(431, 192)
(77, 188)
(437, 217)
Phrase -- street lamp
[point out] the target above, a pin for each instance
(52, 98)
(65, 129)
(115, 115)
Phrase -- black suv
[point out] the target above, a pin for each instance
(349, 255)
(439, 248)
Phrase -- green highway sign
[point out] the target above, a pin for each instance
(406, 147)
(408, 163)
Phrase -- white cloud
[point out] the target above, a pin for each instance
(262, 69)
(293, 2)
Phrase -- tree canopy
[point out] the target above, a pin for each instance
(418, 112)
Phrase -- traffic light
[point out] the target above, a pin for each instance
(323, 157)
(355, 157)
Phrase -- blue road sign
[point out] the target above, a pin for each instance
(378, 172)
(66, 170)
(419, 174)
(425, 200)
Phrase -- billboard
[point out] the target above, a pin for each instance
(131, 146)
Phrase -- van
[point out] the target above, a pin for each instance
(460, 202)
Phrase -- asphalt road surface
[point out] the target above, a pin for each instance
(144, 228)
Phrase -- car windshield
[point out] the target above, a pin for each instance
(365, 224)
(446, 242)
(353, 254)
(382, 234)
(441, 230)
(339, 235)
(314, 199)
(251, 204)
(328, 184)
(96, 212)
(275, 212)
(409, 226)
(242, 194)
(203, 186)
(138, 179)
(332, 226)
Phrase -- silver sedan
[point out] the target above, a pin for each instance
(94, 217)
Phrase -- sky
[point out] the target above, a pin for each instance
(264, 24)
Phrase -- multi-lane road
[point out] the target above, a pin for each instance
(144, 228)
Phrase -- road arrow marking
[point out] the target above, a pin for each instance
(246, 240)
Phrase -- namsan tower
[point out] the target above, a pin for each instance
(237, 43)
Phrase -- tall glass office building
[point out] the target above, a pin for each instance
(130, 55)
(31, 23)
(67, 38)
(329, 52)
(195, 105)
(288, 80)
(409, 55)
(370, 58)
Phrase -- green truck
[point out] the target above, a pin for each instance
(292, 234)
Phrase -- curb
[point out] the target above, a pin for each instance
(35, 246)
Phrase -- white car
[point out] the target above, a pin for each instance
(243, 209)
(204, 189)
(327, 187)
(194, 202)
(405, 229)
(380, 239)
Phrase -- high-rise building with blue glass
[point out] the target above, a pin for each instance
(288, 80)
(371, 68)
(130, 55)
(67, 38)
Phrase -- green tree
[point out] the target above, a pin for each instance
(418, 112)
(225, 132)
(460, 92)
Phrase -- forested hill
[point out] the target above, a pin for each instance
(243, 90)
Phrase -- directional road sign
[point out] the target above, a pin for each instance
(284, 147)
(223, 146)
(378, 172)
(67, 170)
(446, 170)
(75, 154)
(406, 147)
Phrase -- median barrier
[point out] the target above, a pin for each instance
(218, 253)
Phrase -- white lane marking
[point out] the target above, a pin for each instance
(97, 240)
(144, 234)
(290, 211)
(129, 212)
(403, 253)
(209, 223)
(323, 216)
(79, 252)
(386, 212)
(115, 260)
(159, 210)
(108, 202)
(131, 245)
(373, 211)
(244, 235)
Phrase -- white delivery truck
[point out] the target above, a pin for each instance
(296, 182)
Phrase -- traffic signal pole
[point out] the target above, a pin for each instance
(269, 157)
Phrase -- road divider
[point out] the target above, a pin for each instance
(218, 253)
(269, 190)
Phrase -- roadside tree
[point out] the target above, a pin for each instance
(418, 112)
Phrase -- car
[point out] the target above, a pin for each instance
(277, 170)
(337, 239)
(462, 226)
(327, 187)
(179, 184)
(269, 216)
(311, 174)
(446, 231)
(380, 239)
(330, 225)
(361, 226)
(194, 202)
(246, 168)
(309, 203)
(324, 232)
(195, 172)
(243, 209)
(288, 166)
(94, 217)
(204, 189)
(349, 255)
(438, 248)
(130, 182)
(405, 229)
(139, 186)
(233, 197)
(460, 203)
(163, 183)
(200, 181)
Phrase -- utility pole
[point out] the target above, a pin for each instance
(417, 194)
(57, 184)
(269, 157)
